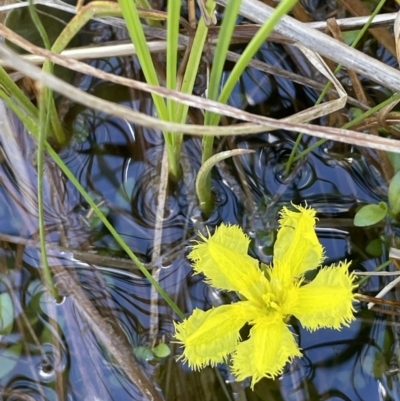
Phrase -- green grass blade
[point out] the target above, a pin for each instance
(134, 26)
(38, 25)
(45, 99)
(282, 9)
(190, 75)
(193, 63)
(11, 89)
(221, 49)
(44, 122)
(30, 123)
(58, 131)
(174, 10)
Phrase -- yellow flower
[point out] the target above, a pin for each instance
(269, 298)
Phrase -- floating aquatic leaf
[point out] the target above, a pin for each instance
(144, 353)
(374, 248)
(161, 350)
(6, 313)
(370, 214)
(394, 160)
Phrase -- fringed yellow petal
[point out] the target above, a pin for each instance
(208, 337)
(297, 248)
(328, 300)
(270, 346)
(223, 259)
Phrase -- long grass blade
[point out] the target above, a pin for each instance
(44, 122)
(194, 61)
(174, 10)
(45, 110)
(11, 89)
(52, 114)
(136, 33)
(221, 50)
(281, 10)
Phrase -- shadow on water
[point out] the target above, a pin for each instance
(52, 349)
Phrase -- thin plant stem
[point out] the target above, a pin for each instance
(379, 268)
(136, 33)
(189, 77)
(44, 122)
(45, 103)
(349, 124)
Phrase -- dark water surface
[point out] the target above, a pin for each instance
(52, 351)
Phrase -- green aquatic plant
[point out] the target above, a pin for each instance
(269, 296)
(372, 213)
(180, 70)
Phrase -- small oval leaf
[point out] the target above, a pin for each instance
(144, 353)
(394, 160)
(370, 214)
(394, 193)
(161, 350)
(374, 248)
(6, 313)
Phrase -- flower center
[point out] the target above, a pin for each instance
(270, 301)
